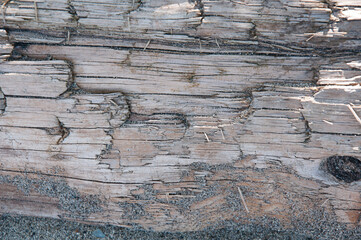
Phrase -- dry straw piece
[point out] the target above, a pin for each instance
(243, 201)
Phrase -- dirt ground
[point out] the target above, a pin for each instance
(21, 227)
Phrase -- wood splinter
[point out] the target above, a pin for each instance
(146, 45)
(328, 122)
(205, 134)
(323, 204)
(222, 134)
(243, 201)
(308, 39)
(217, 43)
(36, 11)
(3, 7)
(114, 103)
(5, 3)
(354, 113)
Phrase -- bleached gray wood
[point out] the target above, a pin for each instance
(154, 113)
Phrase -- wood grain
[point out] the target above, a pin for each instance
(158, 113)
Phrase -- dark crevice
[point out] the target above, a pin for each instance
(136, 5)
(173, 118)
(72, 11)
(344, 168)
(74, 18)
(330, 5)
(34, 97)
(64, 131)
(2, 102)
(198, 4)
(208, 45)
(253, 32)
(308, 130)
(338, 134)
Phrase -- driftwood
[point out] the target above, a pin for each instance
(176, 115)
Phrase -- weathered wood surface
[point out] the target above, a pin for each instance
(154, 113)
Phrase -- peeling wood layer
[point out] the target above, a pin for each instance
(160, 114)
(291, 25)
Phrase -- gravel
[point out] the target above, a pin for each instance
(22, 227)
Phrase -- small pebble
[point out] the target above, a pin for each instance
(98, 233)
